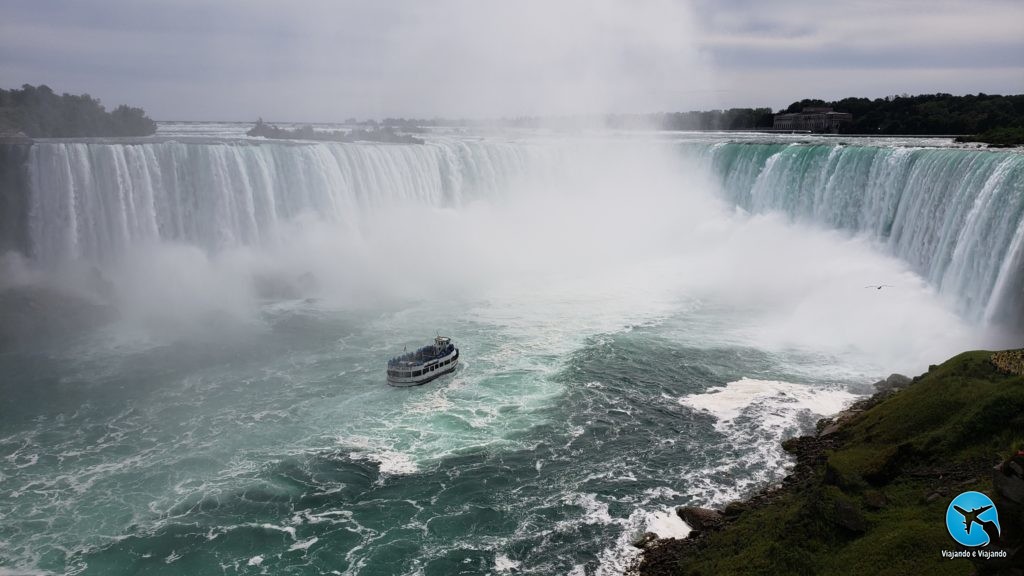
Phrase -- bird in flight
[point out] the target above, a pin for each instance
(879, 286)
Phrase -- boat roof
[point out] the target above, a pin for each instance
(440, 348)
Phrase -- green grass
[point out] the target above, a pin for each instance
(963, 416)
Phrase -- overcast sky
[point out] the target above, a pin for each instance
(330, 60)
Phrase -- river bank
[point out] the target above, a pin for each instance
(869, 491)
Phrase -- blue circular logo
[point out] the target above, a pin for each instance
(972, 519)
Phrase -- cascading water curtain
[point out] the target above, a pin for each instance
(956, 215)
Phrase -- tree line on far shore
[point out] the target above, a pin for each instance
(925, 114)
(990, 118)
(38, 112)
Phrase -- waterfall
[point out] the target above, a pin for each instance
(91, 200)
(13, 184)
(957, 216)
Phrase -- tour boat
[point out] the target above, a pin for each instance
(425, 364)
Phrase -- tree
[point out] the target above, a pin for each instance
(40, 113)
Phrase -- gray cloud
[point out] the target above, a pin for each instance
(792, 49)
(322, 60)
(983, 54)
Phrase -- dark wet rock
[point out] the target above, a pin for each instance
(1008, 485)
(662, 559)
(821, 424)
(1008, 480)
(893, 383)
(646, 540)
(735, 508)
(837, 422)
(831, 429)
(700, 519)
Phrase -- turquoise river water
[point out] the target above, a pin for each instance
(196, 327)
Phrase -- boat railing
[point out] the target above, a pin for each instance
(421, 356)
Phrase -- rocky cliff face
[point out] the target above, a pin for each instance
(1008, 496)
(1010, 361)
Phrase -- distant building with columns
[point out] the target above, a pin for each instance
(813, 119)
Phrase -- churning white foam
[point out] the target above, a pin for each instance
(503, 563)
(755, 416)
(776, 402)
(388, 461)
(667, 524)
(620, 557)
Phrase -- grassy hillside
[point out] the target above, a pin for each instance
(871, 496)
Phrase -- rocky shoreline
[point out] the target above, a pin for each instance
(841, 492)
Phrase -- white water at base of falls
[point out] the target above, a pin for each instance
(955, 215)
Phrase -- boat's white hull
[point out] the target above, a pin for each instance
(426, 373)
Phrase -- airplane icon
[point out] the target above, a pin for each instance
(973, 508)
(972, 517)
